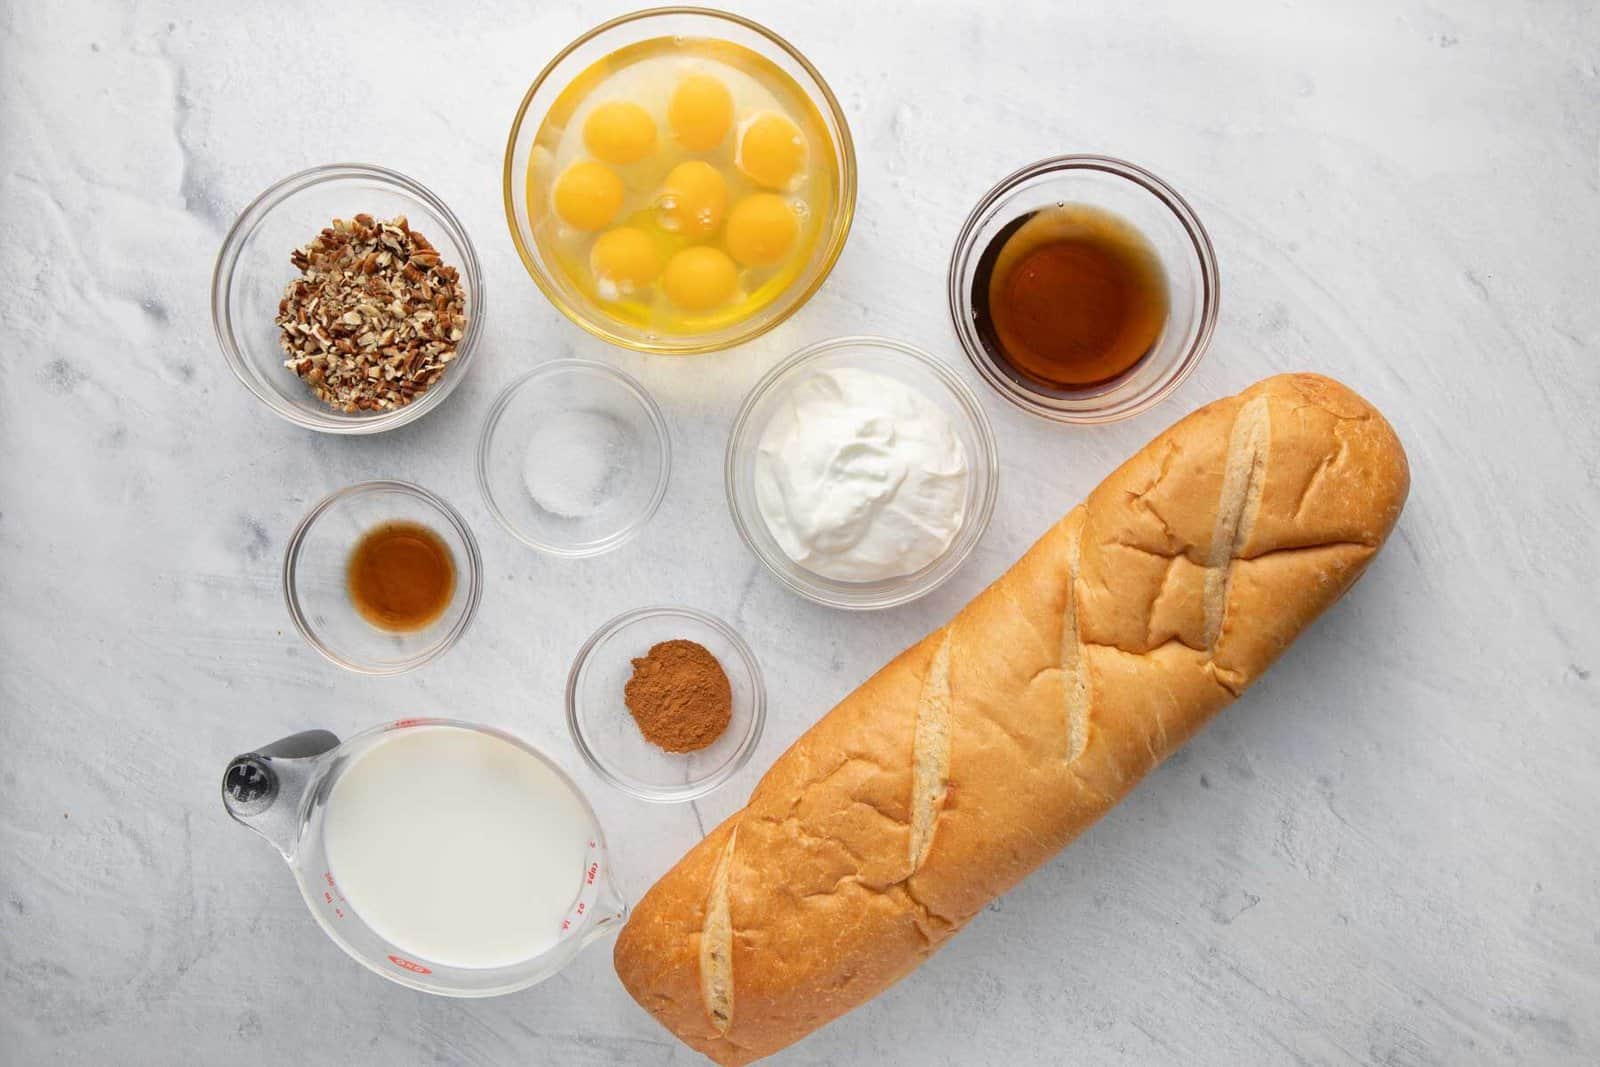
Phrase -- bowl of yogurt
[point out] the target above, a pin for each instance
(862, 472)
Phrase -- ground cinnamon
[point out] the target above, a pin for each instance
(680, 696)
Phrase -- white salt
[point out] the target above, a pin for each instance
(574, 462)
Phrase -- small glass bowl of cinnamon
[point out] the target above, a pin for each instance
(610, 738)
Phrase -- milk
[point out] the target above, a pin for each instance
(456, 846)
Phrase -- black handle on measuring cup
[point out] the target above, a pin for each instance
(250, 785)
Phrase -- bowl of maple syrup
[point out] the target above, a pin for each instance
(382, 577)
(1083, 288)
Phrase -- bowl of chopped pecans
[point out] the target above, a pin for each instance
(348, 299)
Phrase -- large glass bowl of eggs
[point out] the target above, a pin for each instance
(679, 180)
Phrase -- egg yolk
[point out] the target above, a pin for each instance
(588, 195)
(761, 229)
(694, 199)
(620, 132)
(771, 150)
(623, 260)
(700, 278)
(700, 112)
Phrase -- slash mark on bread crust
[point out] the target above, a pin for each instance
(716, 945)
(1242, 482)
(1074, 668)
(930, 752)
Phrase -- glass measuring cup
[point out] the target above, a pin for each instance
(282, 792)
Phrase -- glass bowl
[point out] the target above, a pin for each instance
(609, 739)
(594, 46)
(906, 364)
(1157, 211)
(316, 587)
(574, 458)
(253, 269)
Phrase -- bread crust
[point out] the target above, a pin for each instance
(978, 753)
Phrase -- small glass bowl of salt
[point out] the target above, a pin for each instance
(574, 458)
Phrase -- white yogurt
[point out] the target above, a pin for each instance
(860, 477)
(456, 846)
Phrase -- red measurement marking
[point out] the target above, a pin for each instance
(410, 966)
(594, 869)
(328, 897)
(581, 906)
(397, 724)
(566, 924)
(338, 913)
(329, 876)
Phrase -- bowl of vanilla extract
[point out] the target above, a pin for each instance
(382, 577)
(1083, 288)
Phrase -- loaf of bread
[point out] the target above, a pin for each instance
(978, 753)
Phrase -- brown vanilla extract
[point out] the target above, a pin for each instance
(1070, 297)
(401, 576)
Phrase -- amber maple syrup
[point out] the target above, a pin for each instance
(1071, 297)
(401, 576)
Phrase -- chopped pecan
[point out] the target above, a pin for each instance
(374, 317)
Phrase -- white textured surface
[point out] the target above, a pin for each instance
(1387, 853)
